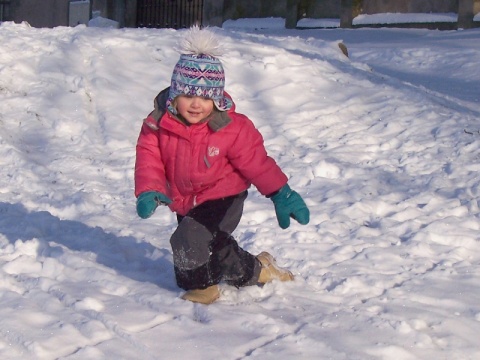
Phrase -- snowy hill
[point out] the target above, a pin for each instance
(384, 146)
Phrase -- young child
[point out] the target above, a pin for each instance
(199, 157)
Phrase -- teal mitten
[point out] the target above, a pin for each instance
(148, 201)
(289, 203)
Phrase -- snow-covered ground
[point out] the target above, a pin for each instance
(363, 19)
(383, 145)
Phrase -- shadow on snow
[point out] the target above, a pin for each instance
(139, 261)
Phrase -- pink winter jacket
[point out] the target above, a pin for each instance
(211, 160)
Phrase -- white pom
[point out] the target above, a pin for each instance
(198, 41)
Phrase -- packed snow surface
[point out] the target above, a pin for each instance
(395, 18)
(384, 146)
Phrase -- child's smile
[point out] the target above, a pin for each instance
(194, 108)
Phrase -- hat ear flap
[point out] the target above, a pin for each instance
(224, 104)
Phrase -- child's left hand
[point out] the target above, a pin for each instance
(289, 203)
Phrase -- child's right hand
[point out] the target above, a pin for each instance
(147, 203)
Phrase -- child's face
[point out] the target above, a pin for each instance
(194, 108)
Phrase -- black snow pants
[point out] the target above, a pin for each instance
(204, 251)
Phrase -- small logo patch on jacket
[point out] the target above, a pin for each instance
(213, 151)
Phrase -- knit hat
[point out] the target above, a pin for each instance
(199, 72)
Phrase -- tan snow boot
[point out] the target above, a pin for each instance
(271, 271)
(203, 296)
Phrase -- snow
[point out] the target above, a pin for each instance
(395, 18)
(255, 23)
(383, 145)
(318, 23)
(362, 19)
(98, 21)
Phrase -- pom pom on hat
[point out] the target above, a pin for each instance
(199, 72)
(200, 41)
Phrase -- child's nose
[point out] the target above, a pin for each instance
(196, 102)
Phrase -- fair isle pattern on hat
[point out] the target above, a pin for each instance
(199, 75)
(199, 72)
